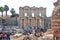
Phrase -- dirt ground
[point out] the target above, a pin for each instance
(21, 38)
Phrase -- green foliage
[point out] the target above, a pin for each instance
(15, 15)
(1, 10)
(12, 15)
(6, 8)
(12, 11)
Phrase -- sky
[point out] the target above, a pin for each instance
(21, 3)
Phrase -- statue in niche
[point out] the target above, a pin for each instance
(56, 12)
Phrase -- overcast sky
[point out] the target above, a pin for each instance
(38, 3)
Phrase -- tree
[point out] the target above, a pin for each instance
(12, 11)
(14, 15)
(1, 10)
(6, 8)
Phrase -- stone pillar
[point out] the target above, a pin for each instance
(38, 22)
(30, 22)
(55, 21)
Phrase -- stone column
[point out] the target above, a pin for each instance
(37, 22)
(55, 21)
(30, 22)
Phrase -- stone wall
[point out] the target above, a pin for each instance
(32, 16)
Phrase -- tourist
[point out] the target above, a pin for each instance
(4, 36)
(0, 36)
(8, 36)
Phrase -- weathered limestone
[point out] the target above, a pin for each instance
(55, 22)
(30, 15)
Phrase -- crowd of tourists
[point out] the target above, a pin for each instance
(36, 29)
(28, 31)
(4, 36)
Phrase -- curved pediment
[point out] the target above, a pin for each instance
(41, 8)
(33, 7)
(26, 7)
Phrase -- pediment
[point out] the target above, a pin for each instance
(33, 7)
(26, 7)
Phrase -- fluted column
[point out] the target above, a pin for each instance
(37, 22)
